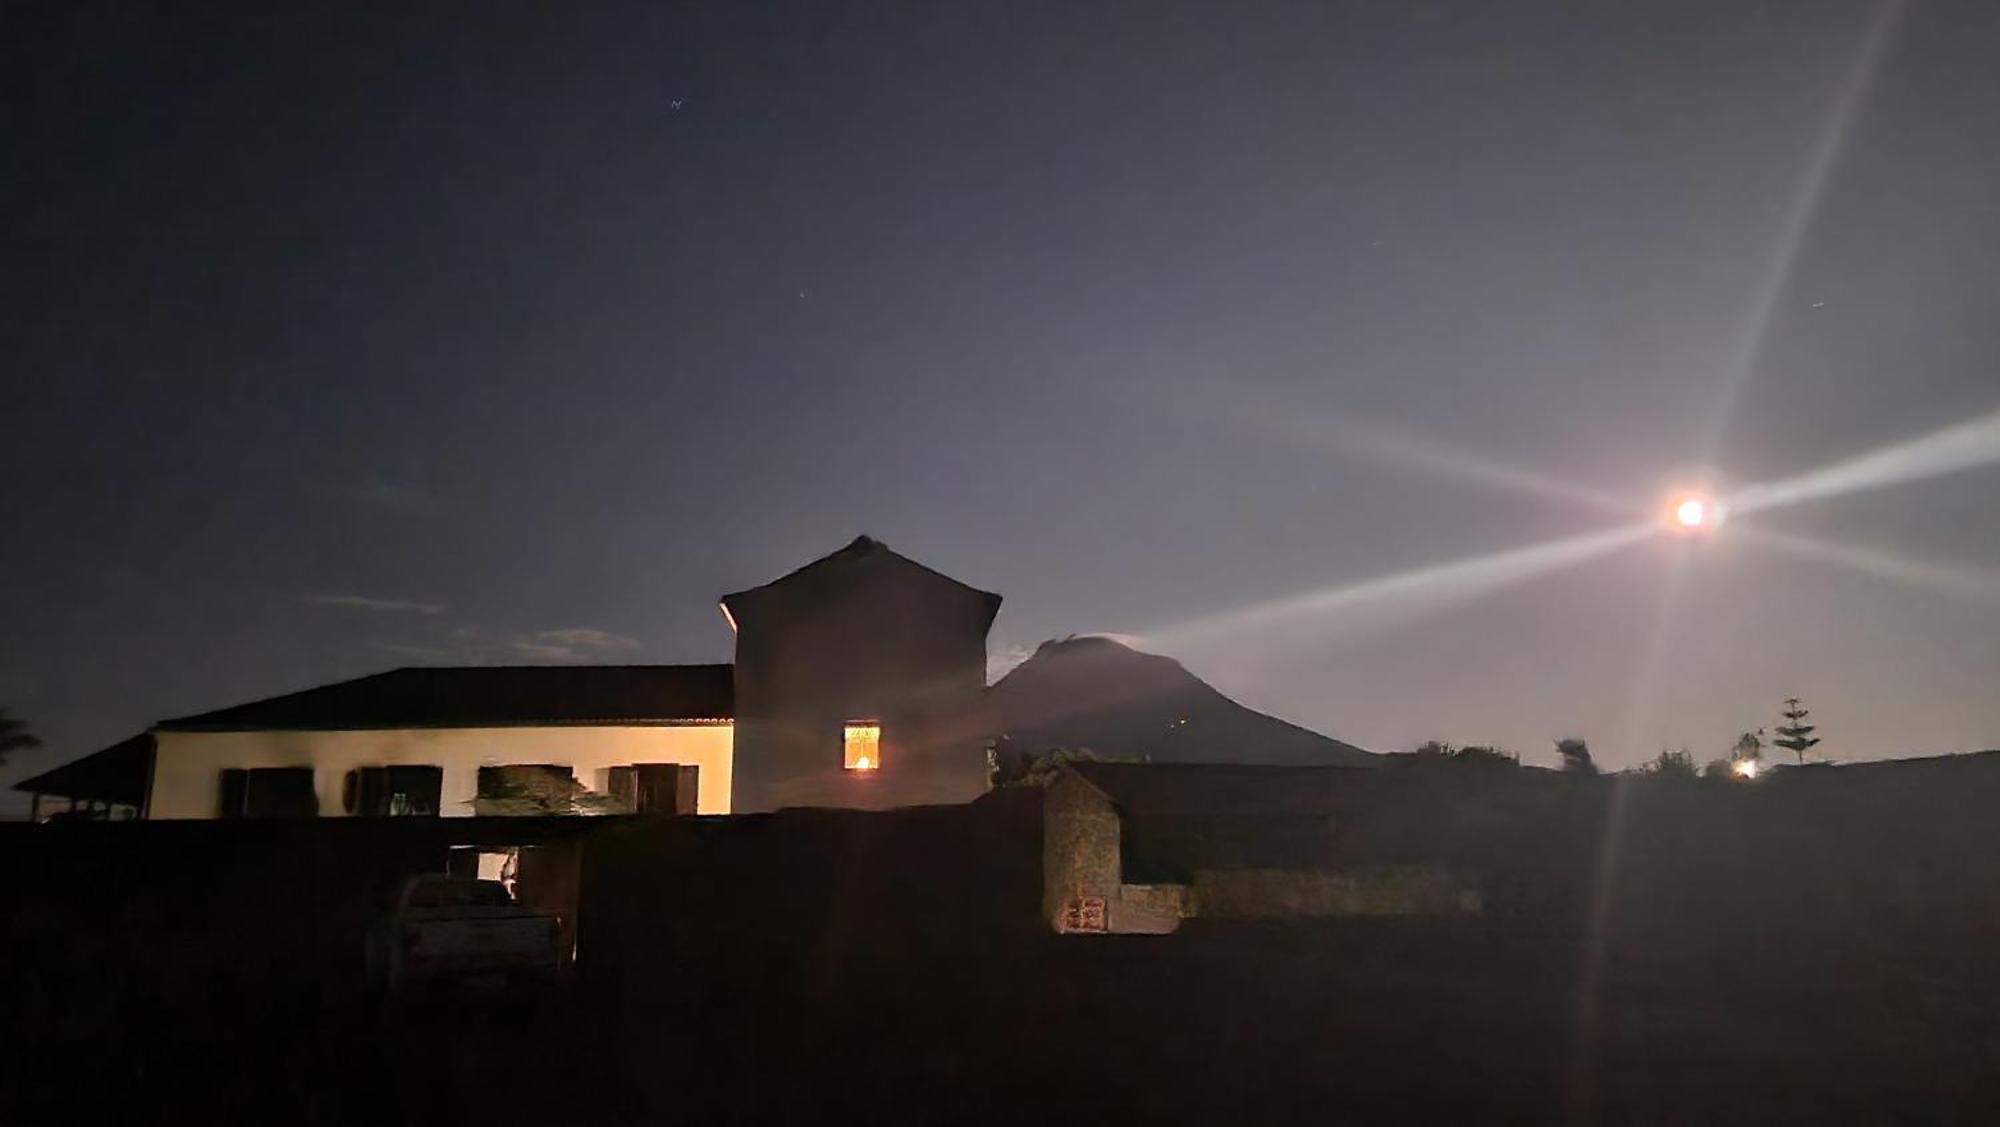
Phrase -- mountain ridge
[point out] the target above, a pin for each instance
(1096, 693)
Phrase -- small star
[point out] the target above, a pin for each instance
(802, 295)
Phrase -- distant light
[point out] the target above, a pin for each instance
(863, 743)
(1690, 512)
(1744, 768)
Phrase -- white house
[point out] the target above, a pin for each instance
(859, 677)
(422, 741)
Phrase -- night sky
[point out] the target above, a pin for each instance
(495, 332)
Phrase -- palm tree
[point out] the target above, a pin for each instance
(14, 735)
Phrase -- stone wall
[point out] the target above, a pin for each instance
(1079, 850)
(1083, 889)
(1085, 885)
(1386, 890)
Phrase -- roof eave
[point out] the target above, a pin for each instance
(434, 726)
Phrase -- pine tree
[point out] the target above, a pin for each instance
(1795, 735)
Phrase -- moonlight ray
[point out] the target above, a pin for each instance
(1974, 583)
(1437, 584)
(1954, 449)
(1388, 446)
(1825, 153)
(1611, 843)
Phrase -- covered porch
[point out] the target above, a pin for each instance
(107, 786)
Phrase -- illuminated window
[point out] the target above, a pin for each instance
(863, 747)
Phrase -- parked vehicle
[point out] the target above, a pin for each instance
(451, 931)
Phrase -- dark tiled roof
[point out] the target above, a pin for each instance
(116, 774)
(488, 696)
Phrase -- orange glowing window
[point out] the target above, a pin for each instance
(862, 745)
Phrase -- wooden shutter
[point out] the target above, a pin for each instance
(280, 792)
(235, 784)
(622, 783)
(665, 788)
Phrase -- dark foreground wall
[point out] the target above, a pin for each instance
(1819, 947)
(146, 964)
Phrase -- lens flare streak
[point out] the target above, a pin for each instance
(1980, 584)
(1954, 449)
(1398, 449)
(1821, 160)
(1438, 584)
(1611, 841)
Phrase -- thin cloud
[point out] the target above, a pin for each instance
(1005, 658)
(541, 652)
(576, 643)
(364, 602)
(1002, 660)
(1129, 641)
(587, 639)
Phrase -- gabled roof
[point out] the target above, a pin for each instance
(864, 555)
(487, 696)
(116, 774)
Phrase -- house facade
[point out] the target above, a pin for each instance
(857, 683)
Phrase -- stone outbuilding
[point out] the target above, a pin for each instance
(1131, 848)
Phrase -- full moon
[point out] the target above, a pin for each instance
(1693, 512)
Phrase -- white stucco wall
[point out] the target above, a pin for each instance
(188, 765)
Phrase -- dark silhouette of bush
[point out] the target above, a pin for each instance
(1006, 767)
(1471, 755)
(1576, 756)
(1674, 765)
